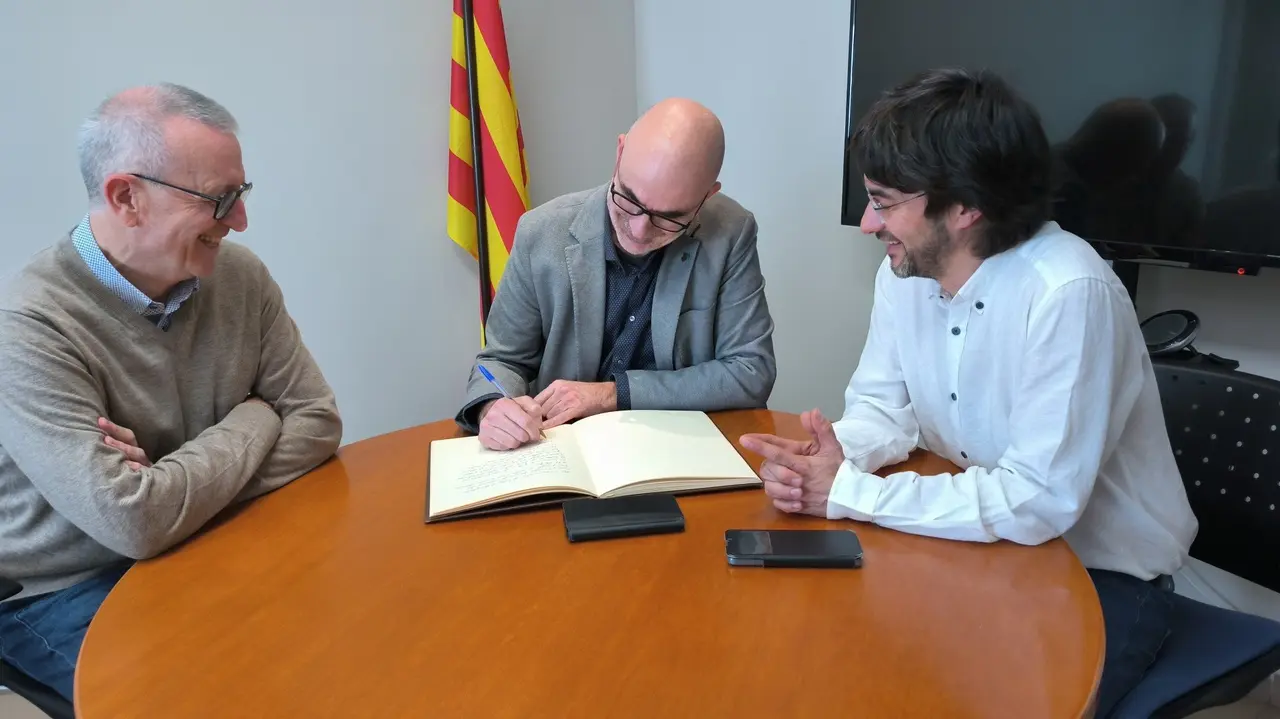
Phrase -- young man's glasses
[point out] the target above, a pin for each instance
(880, 208)
(222, 204)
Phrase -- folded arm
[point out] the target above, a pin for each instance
(1081, 377)
(48, 426)
(290, 380)
(744, 370)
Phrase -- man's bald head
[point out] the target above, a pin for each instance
(677, 143)
(667, 164)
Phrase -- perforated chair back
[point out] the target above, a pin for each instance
(1224, 426)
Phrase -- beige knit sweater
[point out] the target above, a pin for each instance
(71, 351)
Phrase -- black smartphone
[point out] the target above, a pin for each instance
(822, 548)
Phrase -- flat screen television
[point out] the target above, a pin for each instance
(1164, 115)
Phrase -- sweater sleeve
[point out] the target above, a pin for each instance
(289, 378)
(49, 409)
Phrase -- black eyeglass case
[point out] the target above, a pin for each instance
(590, 519)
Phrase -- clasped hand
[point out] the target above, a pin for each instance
(509, 423)
(798, 475)
(123, 439)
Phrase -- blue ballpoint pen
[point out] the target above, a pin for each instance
(494, 381)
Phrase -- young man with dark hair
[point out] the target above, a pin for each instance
(1008, 346)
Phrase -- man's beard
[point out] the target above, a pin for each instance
(925, 260)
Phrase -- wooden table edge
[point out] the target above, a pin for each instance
(1086, 712)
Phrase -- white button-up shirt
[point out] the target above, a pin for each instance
(1035, 380)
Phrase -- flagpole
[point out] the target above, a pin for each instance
(477, 163)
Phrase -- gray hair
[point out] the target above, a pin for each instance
(126, 132)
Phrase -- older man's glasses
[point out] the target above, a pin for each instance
(222, 204)
(661, 222)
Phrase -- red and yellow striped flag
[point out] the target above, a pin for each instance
(506, 177)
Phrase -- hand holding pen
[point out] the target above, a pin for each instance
(511, 421)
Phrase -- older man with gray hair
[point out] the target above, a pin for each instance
(151, 375)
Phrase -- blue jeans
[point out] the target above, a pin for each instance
(1136, 615)
(41, 635)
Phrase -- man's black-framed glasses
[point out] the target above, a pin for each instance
(222, 204)
(662, 222)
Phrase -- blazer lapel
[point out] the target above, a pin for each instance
(585, 261)
(668, 298)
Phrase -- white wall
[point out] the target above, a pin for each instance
(573, 62)
(777, 80)
(344, 115)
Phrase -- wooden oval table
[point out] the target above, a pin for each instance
(332, 598)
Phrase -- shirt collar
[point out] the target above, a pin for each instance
(973, 287)
(979, 283)
(87, 246)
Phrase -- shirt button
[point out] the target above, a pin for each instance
(964, 455)
(955, 330)
(953, 396)
(632, 318)
(979, 305)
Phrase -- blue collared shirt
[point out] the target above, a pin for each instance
(161, 313)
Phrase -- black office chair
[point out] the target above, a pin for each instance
(45, 699)
(1224, 426)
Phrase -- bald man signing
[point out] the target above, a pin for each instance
(642, 293)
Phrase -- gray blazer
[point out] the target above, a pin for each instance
(712, 333)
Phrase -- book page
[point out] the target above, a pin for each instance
(463, 474)
(627, 447)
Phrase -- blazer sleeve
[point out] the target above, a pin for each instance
(744, 369)
(513, 335)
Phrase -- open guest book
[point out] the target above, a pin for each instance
(607, 455)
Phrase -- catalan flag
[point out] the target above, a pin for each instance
(505, 186)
